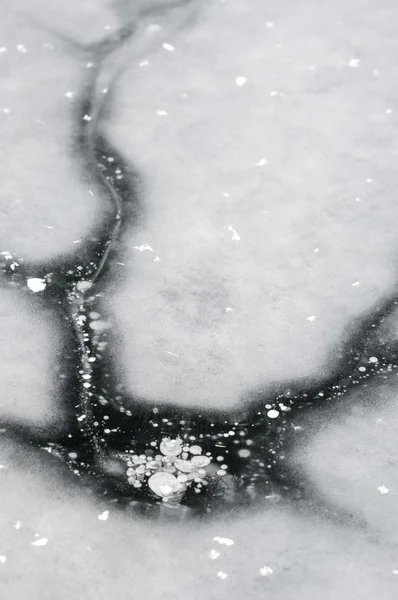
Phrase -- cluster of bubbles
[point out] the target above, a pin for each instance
(172, 471)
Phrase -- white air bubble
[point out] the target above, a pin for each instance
(273, 414)
(35, 284)
(244, 453)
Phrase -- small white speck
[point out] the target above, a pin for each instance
(153, 28)
(311, 318)
(3, 49)
(262, 162)
(161, 113)
(35, 284)
(270, 24)
(222, 575)
(224, 541)
(354, 62)
(156, 259)
(376, 73)
(89, 65)
(91, 192)
(240, 81)
(395, 572)
(389, 111)
(274, 93)
(168, 47)
(173, 354)
(143, 247)
(228, 309)
(87, 118)
(316, 249)
(362, 369)
(214, 554)
(18, 525)
(273, 414)
(358, 199)
(6, 111)
(383, 489)
(265, 571)
(311, 67)
(369, 180)
(69, 94)
(373, 359)
(2, 467)
(103, 516)
(356, 283)
(21, 48)
(105, 91)
(235, 235)
(40, 542)
(3, 559)
(143, 63)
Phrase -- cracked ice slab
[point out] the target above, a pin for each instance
(275, 198)
(45, 199)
